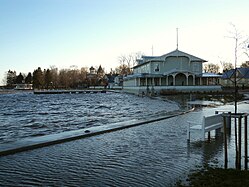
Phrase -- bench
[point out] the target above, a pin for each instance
(208, 124)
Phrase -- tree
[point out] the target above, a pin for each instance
(11, 78)
(211, 68)
(47, 79)
(28, 79)
(63, 78)
(245, 47)
(83, 77)
(55, 76)
(127, 62)
(123, 69)
(38, 78)
(19, 79)
(73, 75)
(226, 66)
(245, 64)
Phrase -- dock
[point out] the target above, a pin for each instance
(68, 91)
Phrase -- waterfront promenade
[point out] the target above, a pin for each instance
(153, 154)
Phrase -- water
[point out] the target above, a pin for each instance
(27, 115)
(155, 154)
(149, 155)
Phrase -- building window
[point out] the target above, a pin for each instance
(157, 68)
(195, 67)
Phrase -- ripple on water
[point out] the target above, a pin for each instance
(141, 156)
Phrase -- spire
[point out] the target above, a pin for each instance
(176, 38)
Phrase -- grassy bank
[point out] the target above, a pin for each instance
(217, 177)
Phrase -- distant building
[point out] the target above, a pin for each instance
(96, 78)
(242, 78)
(24, 86)
(114, 80)
(176, 70)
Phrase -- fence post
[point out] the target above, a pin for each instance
(239, 141)
(245, 136)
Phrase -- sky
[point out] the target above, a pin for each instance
(85, 33)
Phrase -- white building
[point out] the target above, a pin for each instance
(176, 70)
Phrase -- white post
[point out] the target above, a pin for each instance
(203, 128)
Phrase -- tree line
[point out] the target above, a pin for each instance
(53, 78)
(215, 68)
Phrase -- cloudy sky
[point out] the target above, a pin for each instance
(62, 33)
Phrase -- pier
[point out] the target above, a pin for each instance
(68, 91)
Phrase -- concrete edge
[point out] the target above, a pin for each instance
(43, 141)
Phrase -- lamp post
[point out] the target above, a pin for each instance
(235, 77)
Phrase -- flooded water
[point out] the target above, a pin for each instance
(155, 154)
(26, 115)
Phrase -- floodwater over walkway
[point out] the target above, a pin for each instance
(24, 115)
(154, 154)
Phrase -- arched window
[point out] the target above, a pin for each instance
(157, 68)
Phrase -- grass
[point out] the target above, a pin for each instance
(217, 177)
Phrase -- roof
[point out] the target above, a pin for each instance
(175, 53)
(243, 73)
(210, 75)
(181, 54)
(142, 75)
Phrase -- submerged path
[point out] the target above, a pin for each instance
(37, 142)
(153, 154)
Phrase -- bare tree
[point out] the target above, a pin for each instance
(241, 43)
(236, 35)
(55, 76)
(63, 78)
(83, 76)
(245, 47)
(127, 62)
(211, 68)
(226, 65)
(135, 56)
(125, 65)
(245, 64)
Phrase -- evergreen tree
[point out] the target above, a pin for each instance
(11, 78)
(38, 78)
(19, 79)
(47, 78)
(28, 79)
